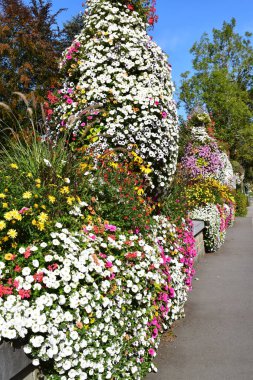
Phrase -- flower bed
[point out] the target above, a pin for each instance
(94, 303)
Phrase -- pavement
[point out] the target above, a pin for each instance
(215, 340)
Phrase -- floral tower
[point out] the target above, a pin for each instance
(117, 90)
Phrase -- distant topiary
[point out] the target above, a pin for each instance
(117, 90)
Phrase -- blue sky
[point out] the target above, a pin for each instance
(182, 22)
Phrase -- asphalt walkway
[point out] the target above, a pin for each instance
(215, 340)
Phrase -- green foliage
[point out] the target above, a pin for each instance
(241, 204)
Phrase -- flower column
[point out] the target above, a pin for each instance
(117, 91)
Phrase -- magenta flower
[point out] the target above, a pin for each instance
(108, 264)
(110, 227)
(151, 352)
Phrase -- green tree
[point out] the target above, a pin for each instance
(71, 29)
(222, 82)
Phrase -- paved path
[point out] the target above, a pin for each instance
(215, 340)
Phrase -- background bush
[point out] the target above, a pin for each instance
(241, 204)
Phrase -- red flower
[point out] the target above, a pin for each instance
(131, 255)
(130, 7)
(24, 293)
(52, 267)
(38, 276)
(27, 253)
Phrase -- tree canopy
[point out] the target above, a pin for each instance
(222, 82)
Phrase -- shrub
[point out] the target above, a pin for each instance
(241, 204)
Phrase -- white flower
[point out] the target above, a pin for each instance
(26, 271)
(36, 263)
(48, 163)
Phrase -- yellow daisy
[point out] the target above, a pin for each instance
(43, 217)
(27, 195)
(2, 225)
(51, 199)
(12, 233)
(14, 166)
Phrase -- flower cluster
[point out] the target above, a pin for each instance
(226, 176)
(146, 9)
(203, 191)
(203, 160)
(118, 91)
(209, 182)
(217, 219)
(29, 206)
(95, 302)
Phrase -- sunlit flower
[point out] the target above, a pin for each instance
(12, 233)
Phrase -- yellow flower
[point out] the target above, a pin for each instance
(41, 226)
(36, 205)
(38, 183)
(51, 199)
(14, 166)
(12, 233)
(139, 191)
(70, 200)
(27, 195)
(44, 207)
(5, 238)
(29, 175)
(114, 164)
(43, 217)
(8, 256)
(13, 214)
(34, 222)
(145, 170)
(2, 195)
(2, 225)
(5, 205)
(64, 190)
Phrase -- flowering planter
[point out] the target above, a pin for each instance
(14, 363)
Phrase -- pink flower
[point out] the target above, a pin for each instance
(110, 227)
(24, 293)
(109, 264)
(38, 276)
(27, 253)
(164, 115)
(16, 284)
(69, 101)
(23, 210)
(155, 334)
(151, 352)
